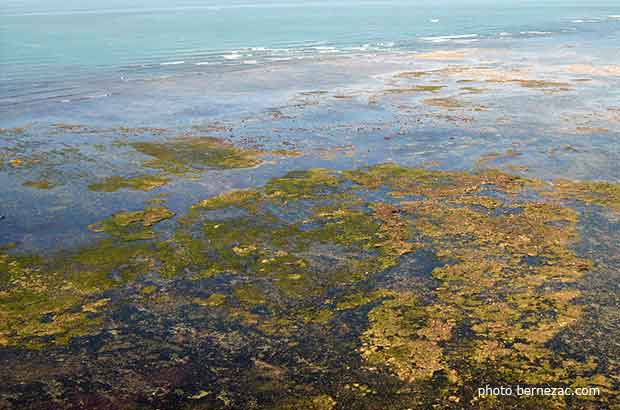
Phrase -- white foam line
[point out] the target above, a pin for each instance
(537, 33)
(444, 39)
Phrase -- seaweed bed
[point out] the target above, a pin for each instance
(377, 288)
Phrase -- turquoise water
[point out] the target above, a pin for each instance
(52, 41)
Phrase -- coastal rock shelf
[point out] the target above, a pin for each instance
(381, 287)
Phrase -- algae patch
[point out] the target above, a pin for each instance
(592, 192)
(316, 276)
(187, 154)
(39, 184)
(138, 183)
(133, 225)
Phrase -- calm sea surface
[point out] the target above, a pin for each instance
(267, 73)
(44, 45)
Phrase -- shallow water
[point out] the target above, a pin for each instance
(120, 288)
(58, 49)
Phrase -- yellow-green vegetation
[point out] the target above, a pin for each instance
(311, 184)
(542, 85)
(53, 299)
(356, 300)
(591, 192)
(309, 259)
(290, 254)
(138, 183)
(413, 74)
(134, 225)
(429, 88)
(512, 278)
(473, 90)
(50, 301)
(187, 154)
(71, 127)
(444, 102)
(39, 184)
(215, 299)
(322, 402)
(403, 336)
(182, 155)
(13, 131)
(493, 156)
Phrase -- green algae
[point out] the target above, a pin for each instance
(303, 259)
(403, 337)
(243, 198)
(542, 85)
(133, 225)
(13, 131)
(413, 74)
(215, 299)
(249, 295)
(39, 184)
(54, 299)
(445, 102)
(138, 183)
(491, 157)
(512, 327)
(322, 402)
(302, 185)
(473, 90)
(419, 355)
(454, 103)
(49, 302)
(187, 154)
(356, 300)
(545, 85)
(71, 127)
(592, 192)
(148, 290)
(428, 88)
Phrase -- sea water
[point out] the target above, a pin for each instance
(53, 49)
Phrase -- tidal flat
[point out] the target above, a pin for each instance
(386, 231)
